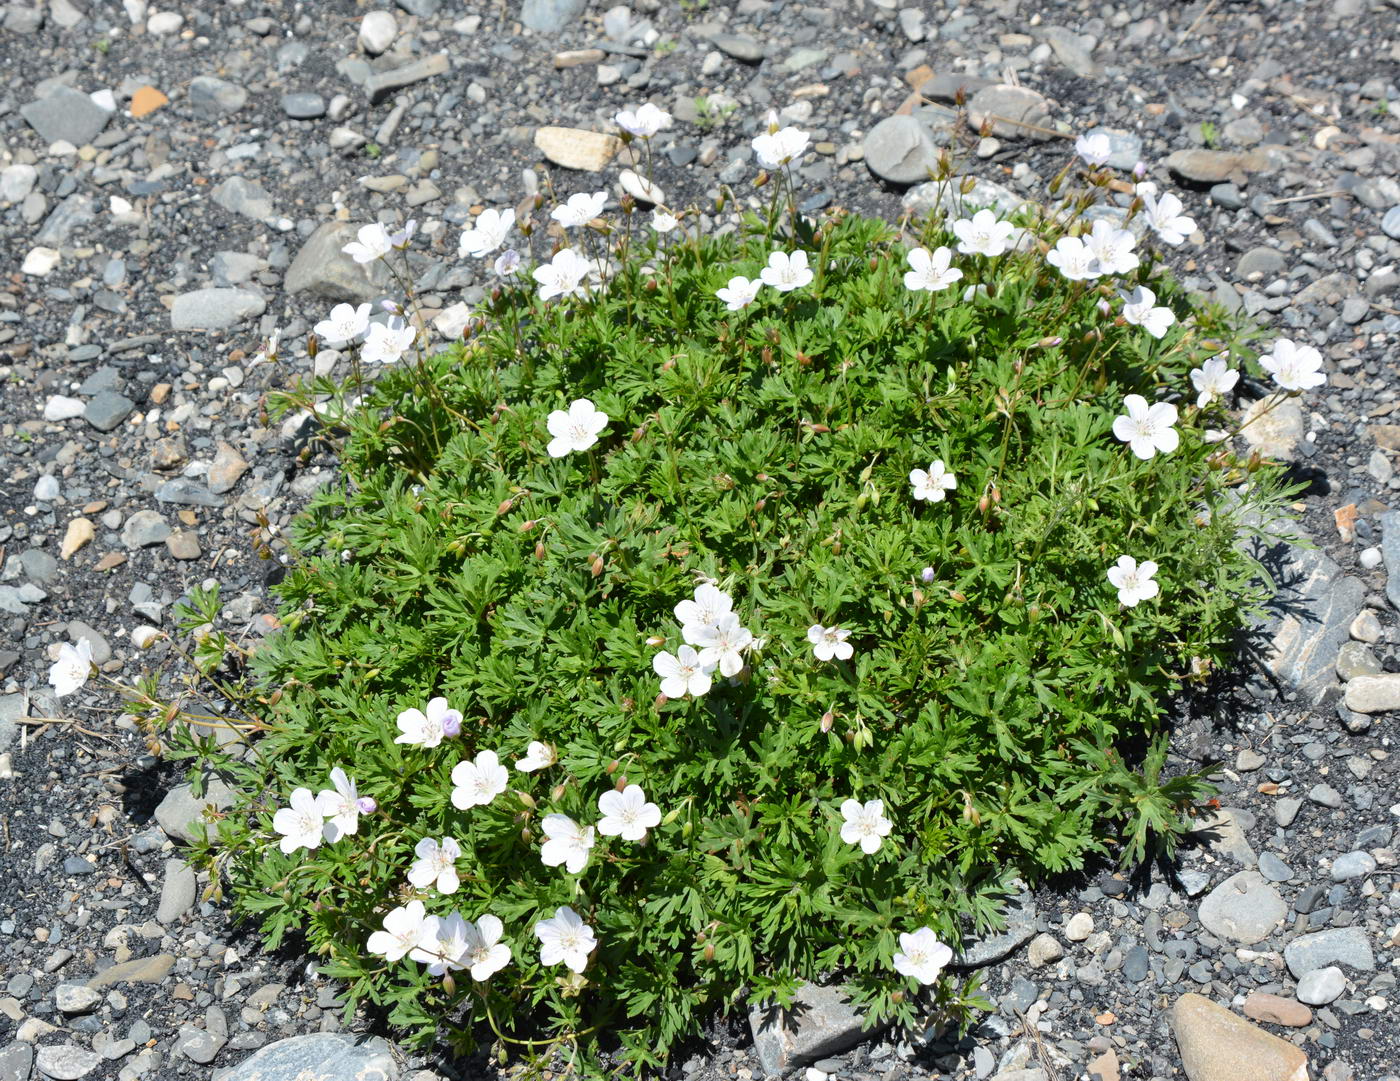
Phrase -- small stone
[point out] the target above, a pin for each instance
(1325, 795)
(322, 1056)
(216, 97)
(1244, 908)
(1248, 761)
(1044, 950)
(1322, 986)
(383, 83)
(1355, 660)
(181, 812)
(1020, 915)
(377, 32)
(1273, 428)
(323, 269)
(1353, 865)
(149, 970)
(1218, 1045)
(1260, 263)
(1366, 627)
(739, 47)
(183, 544)
(198, 1044)
(1079, 927)
(1390, 224)
(1213, 166)
(1276, 1010)
(902, 150)
(641, 189)
(239, 196)
(163, 23)
(302, 105)
(575, 58)
(577, 148)
(60, 408)
(79, 533)
(66, 115)
(215, 309)
(550, 16)
(1013, 112)
(227, 467)
(144, 529)
(146, 100)
(186, 493)
(1337, 945)
(107, 410)
(1104, 1066)
(74, 998)
(40, 261)
(1374, 694)
(66, 1062)
(1286, 810)
(1273, 868)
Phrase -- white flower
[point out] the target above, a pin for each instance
(932, 484)
(537, 756)
(428, 730)
(921, 955)
(786, 272)
(710, 605)
(1074, 259)
(1094, 149)
(627, 814)
(1213, 379)
(829, 642)
(485, 952)
(580, 209)
(374, 242)
(487, 233)
(1147, 429)
(682, 673)
(983, 234)
(723, 644)
(385, 344)
(865, 825)
(563, 275)
(344, 324)
(740, 292)
(1164, 216)
(443, 943)
(268, 351)
(507, 263)
(72, 669)
(662, 221)
(1113, 248)
(643, 122)
(575, 430)
(775, 147)
(436, 864)
(404, 235)
(1133, 580)
(930, 272)
(1138, 309)
(478, 782)
(565, 938)
(341, 805)
(1294, 367)
(405, 929)
(566, 842)
(300, 824)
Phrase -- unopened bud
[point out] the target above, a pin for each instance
(1104, 308)
(612, 767)
(452, 724)
(556, 793)
(504, 506)
(926, 575)
(958, 595)
(828, 719)
(655, 640)
(1050, 342)
(709, 952)
(621, 782)
(539, 549)
(526, 526)
(1139, 170)
(313, 346)
(650, 286)
(449, 985)
(366, 806)
(527, 799)
(597, 566)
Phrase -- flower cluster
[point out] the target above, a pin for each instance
(714, 639)
(331, 815)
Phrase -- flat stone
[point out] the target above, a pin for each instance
(1244, 908)
(181, 813)
(215, 309)
(1353, 865)
(739, 47)
(185, 492)
(1355, 660)
(177, 891)
(383, 83)
(60, 408)
(107, 410)
(1273, 428)
(1218, 1045)
(1260, 262)
(183, 544)
(144, 529)
(1020, 913)
(227, 467)
(1390, 552)
(902, 150)
(1225, 830)
(1044, 950)
(79, 533)
(1276, 1010)
(1337, 945)
(1374, 693)
(323, 1056)
(303, 105)
(66, 1061)
(1124, 148)
(322, 269)
(66, 115)
(1013, 112)
(17, 1061)
(577, 148)
(151, 969)
(1390, 224)
(1273, 868)
(65, 219)
(1247, 761)
(1073, 50)
(74, 998)
(239, 196)
(823, 1022)
(1314, 608)
(1325, 795)
(198, 1044)
(1322, 986)
(216, 97)
(146, 100)
(17, 181)
(1214, 166)
(949, 86)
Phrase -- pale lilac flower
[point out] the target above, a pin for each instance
(643, 122)
(663, 221)
(487, 233)
(366, 805)
(1147, 429)
(1165, 217)
(1294, 367)
(710, 605)
(1133, 580)
(443, 944)
(576, 430)
(1113, 248)
(830, 642)
(405, 929)
(723, 643)
(386, 343)
(345, 323)
(537, 756)
(930, 273)
(983, 234)
(72, 669)
(1074, 259)
(580, 209)
(566, 842)
(786, 272)
(485, 952)
(775, 147)
(865, 824)
(563, 275)
(740, 292)
(565, 938)
(934, 483)
(341, 805)
(927, 575)
(300, 824)
(436, 864)
(507, 263)
(1213, 379)
(682, 673)
(1094, 149)
(426, 729)
(374, 242)
(478, 782)
(921, 955)
(627, 814)
(404, 235)
(1138, 309)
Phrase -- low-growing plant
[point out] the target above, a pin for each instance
(728, 610)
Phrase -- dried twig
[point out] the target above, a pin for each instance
(1199, 19)
(1312, 195)
(1024, 124)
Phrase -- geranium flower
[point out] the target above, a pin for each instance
(404, 235)
(478, 782)
(627, 814)
(428, 729)
(1294, 367)
(1147, 429)
(829, 642)
(1094, 149)
(575, 430)
(341, 805)
(345, 323)
(507, 263)
(786, 272)
(723, 643)
(443, 944)
(487, 233)
(921, 955)
(1133, 580)
(663, 221)
(72, 669)
(485, 952)
(300, 824)
(1113, 248)
(565, 938)
(930, 273)
(563, 275)
(934, 483)
(566, 842)
(1074, 259)
(1138, 309)
(682, 673)
(865, 825)
(537, 756)
(1213, 379)
(776, 147)
(643, 122)
(436, 864)
(385, 344)
(740, 292)
(374, 242)
(983, 234)
(1165, 217)
(580, 209)
(269, 350)
(710, 605)
(405, 929)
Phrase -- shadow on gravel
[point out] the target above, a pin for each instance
(144, 788)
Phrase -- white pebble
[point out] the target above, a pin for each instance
(46, 490)
(814, 1074)
(1079, 927)
(377, 32)
(1370, 558)
(60, 408)
(40, 261)
(164, 22)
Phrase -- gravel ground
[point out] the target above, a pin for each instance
(171, 186)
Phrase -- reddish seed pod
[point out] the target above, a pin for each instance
(651, 285)
(621, 782)
(612, 767)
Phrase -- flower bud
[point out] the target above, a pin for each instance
(655, 640)
(650, 286)
(1139, 170)
(1050, 342)
(526, 835)
(926, 575)
(612, 767)
(919, 599)
(452, 725)
(958, 595)
(621, 782)
(366, 806)
(670, 816)
(449, 985)
(1104, 308)
(526, 526)
(527, 799)
(557, 792)
(313, 346)
(828, 719)
(709, 951)
(898, 996)
(539, 550)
